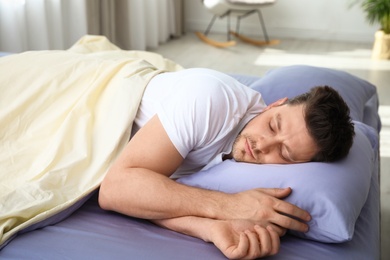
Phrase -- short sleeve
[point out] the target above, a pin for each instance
(203, 107)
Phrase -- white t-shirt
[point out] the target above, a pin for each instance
(202, 111)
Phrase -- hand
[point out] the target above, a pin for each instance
(240, 239)
(265, 207)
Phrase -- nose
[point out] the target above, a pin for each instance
(266, 144)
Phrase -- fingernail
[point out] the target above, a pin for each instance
(307, 228)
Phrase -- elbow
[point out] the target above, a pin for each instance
(105, 196)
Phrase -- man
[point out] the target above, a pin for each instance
(193, 119)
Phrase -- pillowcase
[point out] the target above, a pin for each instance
(294, 80)
(333, 193)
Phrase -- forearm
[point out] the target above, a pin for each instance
(193, 226)
(145, 194)
(237, 239)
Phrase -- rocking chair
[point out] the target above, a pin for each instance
(241, 9)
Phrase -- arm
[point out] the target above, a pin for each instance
(237, 239)
(138, 185)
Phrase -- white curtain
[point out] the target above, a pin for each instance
(57, 24)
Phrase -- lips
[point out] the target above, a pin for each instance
(248, 148)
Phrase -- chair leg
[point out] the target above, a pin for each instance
(213, 20)
(267, 41)
(203, 36)
(228, 25)
(238, 24)
(210, 25)
(263, 25)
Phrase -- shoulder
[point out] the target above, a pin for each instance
(207, 84)
(207, 93)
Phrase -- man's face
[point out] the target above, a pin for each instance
(278, 135)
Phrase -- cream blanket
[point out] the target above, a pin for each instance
(64, 117)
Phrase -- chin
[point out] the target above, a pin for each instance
(241, 158)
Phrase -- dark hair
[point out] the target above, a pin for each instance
(328, 122)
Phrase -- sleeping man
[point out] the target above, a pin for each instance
(194, 119)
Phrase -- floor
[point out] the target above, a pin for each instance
(354, 58)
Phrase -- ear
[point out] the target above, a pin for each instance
(276, 103)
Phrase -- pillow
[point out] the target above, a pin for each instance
(293, 80)
(333, 193)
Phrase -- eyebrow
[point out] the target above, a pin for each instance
(279, 126)
(278, 120)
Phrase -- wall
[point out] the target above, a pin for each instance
(305, 19)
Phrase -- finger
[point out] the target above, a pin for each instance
(254, 245)
(276, 192)
(290, 223)
(291, 210)
(265, 240)
(279, 230)
(242, 247)
(275, 241)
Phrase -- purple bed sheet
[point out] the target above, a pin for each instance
(91, 233)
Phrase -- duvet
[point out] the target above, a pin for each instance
(64, 116)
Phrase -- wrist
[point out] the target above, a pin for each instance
(219, 206)
(215, 230)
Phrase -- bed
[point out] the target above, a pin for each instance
(342, 197)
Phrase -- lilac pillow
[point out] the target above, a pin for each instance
(333, 193)
(290, 81)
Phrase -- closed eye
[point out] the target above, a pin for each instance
(270, 127)
(282, 156)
